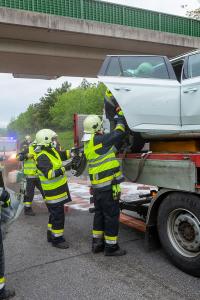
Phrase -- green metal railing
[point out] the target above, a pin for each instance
(109, 13)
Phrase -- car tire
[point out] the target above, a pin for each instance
(179, 230)
(136, 142)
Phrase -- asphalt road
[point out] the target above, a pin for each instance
(38, 271)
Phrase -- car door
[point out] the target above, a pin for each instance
(190, 94)
(146, 89)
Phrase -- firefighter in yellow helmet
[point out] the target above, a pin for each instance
(51, 165)
(105, 176)
(27, 156)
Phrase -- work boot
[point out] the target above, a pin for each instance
(97, 245)
(114, 250)
(6, 294)
(60, 243)
(49, 236)
(28, 211)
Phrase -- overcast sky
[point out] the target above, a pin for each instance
(17, 94)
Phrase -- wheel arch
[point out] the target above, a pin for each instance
(154, 207)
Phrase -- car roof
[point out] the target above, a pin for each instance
(127, 55)
(184, 55)
(178, 57)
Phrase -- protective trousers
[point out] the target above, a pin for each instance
(106, 218)
(2, 265)
(31, 184)
(56, 221)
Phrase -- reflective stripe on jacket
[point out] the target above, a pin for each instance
(102, 168)
(54, 188)
(30, 169)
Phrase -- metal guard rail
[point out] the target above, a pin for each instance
(109, 13)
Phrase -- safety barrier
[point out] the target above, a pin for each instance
(110, 13)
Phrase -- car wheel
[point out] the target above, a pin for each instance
(179, 230)
(136, 142)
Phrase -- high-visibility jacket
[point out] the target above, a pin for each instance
(102, 168)
(54, 184)
(29, 166)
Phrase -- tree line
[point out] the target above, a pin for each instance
(56, 108)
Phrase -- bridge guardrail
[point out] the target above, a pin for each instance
(110, 13)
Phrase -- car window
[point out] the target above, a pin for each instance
(113, 67)
(145, 67)
(138, 66)
(194, 65)
(178, 69)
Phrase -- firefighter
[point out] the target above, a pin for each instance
(51, 165)
(105, 176)
(27, 155)
(4, 293)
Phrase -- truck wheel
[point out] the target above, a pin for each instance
(136, 141)
(179, 230)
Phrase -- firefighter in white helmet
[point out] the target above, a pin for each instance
(51, 165)
(105, 176)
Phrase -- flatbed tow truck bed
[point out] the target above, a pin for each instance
(170, 215)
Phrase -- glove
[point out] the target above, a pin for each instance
(5, 198)
(119, 111)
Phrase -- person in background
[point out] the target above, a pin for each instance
(27, 156)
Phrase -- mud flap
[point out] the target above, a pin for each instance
(152, 241)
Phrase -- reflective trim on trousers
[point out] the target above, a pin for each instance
(27, 204)
(56, 201)
(100, 163)
(2, 282)
(50, 181)
(49, 226)
(97, 233)
(57, 233)
(111, 240)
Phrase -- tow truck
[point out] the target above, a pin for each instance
(169, 214)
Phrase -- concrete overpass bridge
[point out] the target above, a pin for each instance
(72, 37)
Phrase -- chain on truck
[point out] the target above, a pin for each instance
(169, 214)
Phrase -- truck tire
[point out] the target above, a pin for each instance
(178, 227)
